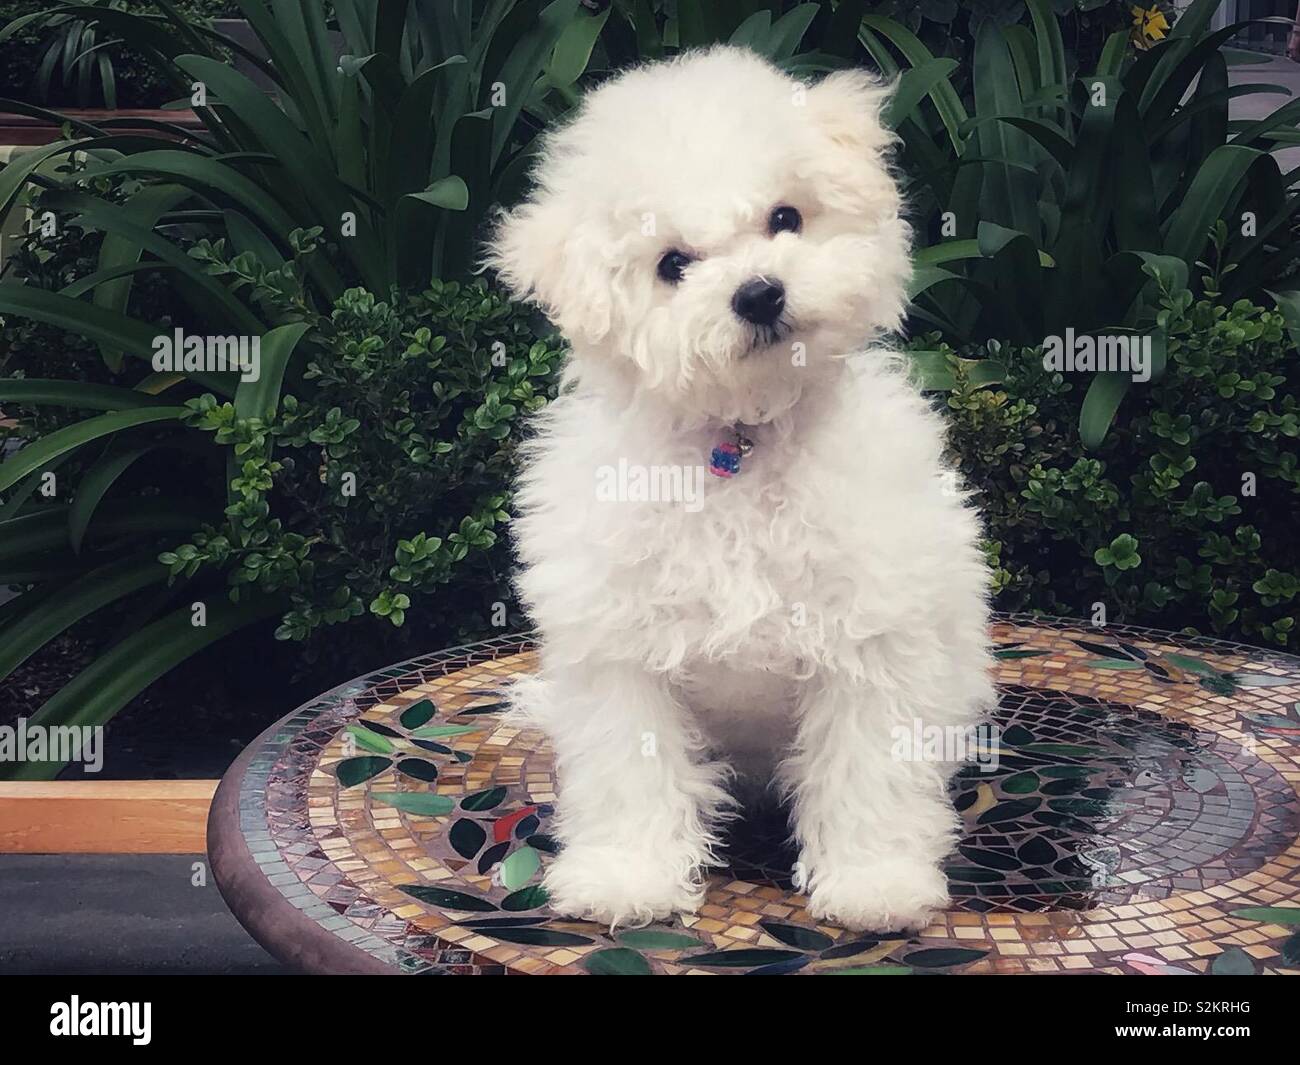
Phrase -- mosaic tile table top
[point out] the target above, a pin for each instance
(1140, 817)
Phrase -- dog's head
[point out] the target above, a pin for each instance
(722, 229)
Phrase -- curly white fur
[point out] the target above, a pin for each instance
(830, 591)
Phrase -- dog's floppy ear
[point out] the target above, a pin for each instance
(847, 105)
(846, 108)
(547, 255)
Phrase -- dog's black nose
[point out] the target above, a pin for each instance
(759, 301)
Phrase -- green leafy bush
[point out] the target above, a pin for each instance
(1185, 517)
(379, 486)
(1047, 200)
(373, 170)
(319, 219)
(368, 487)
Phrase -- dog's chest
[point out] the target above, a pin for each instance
(749, 575)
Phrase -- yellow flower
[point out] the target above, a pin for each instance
(1149, 24)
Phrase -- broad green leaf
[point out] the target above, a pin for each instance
(261, 398)
(312, 174)
(113, 219)
(1210, 194)
(934, 374)
(1135, 217)
(16, 172)
(914, 85)
(944, 96)
(206, 175)
(1111, 62)
(449, 193)
(1102, 400)
(77, 394)
(788, 31)
(130, 666)
(753, 31)
(1051, 49)
(573, 50)
(522, 66)
(94, 323)
(926, 277)
(37, 454)
(34, 627)
(116, 250)
(92, 488)
(46, 528)
(1009, 195)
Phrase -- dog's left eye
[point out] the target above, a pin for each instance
(784, 219)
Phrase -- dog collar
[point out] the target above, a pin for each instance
(725, 460)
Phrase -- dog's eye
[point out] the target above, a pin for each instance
(784, 219)
(673, 265)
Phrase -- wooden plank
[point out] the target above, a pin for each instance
(105, 816)
(26, 130)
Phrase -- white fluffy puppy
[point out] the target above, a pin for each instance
(713, 238)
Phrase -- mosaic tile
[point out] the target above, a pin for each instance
(1141, 816)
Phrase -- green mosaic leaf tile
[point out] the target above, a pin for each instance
(354, 771)
(483, 800)
(654, 939)
(739, 959)
(425, 803)
(1009, 811)
(491, 857)
(519, 868)
(528, 898)
(794, 936)
(434, 732)
(1261, 680)
(466, 837)
(370, 741)
(942, 957)
(541, 937)
(616, 961)
(418, 714)
(451, 900)
(419, 769)
(1283, 915)
(1233, 962)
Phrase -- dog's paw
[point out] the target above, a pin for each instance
(621, 887)
(888, 896)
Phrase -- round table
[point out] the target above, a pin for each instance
(1136, 813)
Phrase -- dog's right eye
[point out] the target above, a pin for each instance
(672, 265)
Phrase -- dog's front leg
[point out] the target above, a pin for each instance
(873, 829)
(637, 798)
